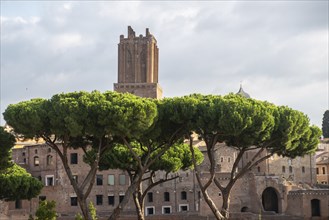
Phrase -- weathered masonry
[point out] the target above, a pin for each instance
(138, 65)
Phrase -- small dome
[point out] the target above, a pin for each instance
(242, 93)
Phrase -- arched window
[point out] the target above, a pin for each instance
(36, 161)
(303, 169)
(258, 169)
(283, 169)
(290, 169)
(49, 160)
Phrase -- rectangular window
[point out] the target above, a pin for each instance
(317, 170)
(323, 170)
(74, 201)
(183, 195)
(110, 180)
(283, 169)
(99, 180)
(99, 199)
(290, 169)
(121, 198)
(303, 169)
(111, 200)
(49, 180)
(149, 210)
(166, 196)
(74, 158)
(166, 209)
(122, 179)
(183, 207)
(150, 197)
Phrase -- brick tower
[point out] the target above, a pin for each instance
(138, 65)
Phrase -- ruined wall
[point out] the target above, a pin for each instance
(299, 203)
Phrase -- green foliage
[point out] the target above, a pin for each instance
(81, 115)
(78, 216)
(92, 211)
(175, 158)
(16, 183)
(46, 210)
(7, 142)
(325, 124)
(28, 117)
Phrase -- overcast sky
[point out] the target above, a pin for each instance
(277, 49)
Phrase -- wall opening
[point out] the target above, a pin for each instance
(270, 200)
(315, 207)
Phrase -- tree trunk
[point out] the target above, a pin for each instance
(117, 211)
(225, 206)
(84, 208)
(138, 200)
(212, 206)
(139, 205)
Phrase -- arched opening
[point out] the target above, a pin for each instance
(49, 160)
(36, 161)
(244, 209)
(270, 200)
(315, 207)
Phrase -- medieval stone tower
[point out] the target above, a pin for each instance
(138, 65)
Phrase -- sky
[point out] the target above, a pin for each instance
(277, 50)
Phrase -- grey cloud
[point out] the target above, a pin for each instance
(277, 49)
